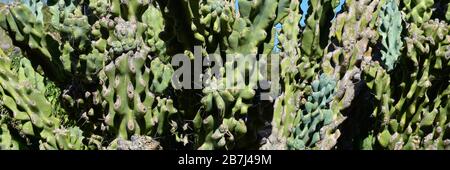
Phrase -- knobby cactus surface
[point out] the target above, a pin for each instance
(224, 74)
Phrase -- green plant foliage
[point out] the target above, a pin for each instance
(102, 74)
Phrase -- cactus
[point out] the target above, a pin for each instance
(317, 111)
(312, 40)
(127, 95)
(447, 14)
(7, 141)
(100, 74)
(31, 102)
(418, 11)
(338, 6)
(391, 30)
(138, 143)
(229, 104)
(408, 118)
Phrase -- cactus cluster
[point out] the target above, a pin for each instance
(272, 74)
